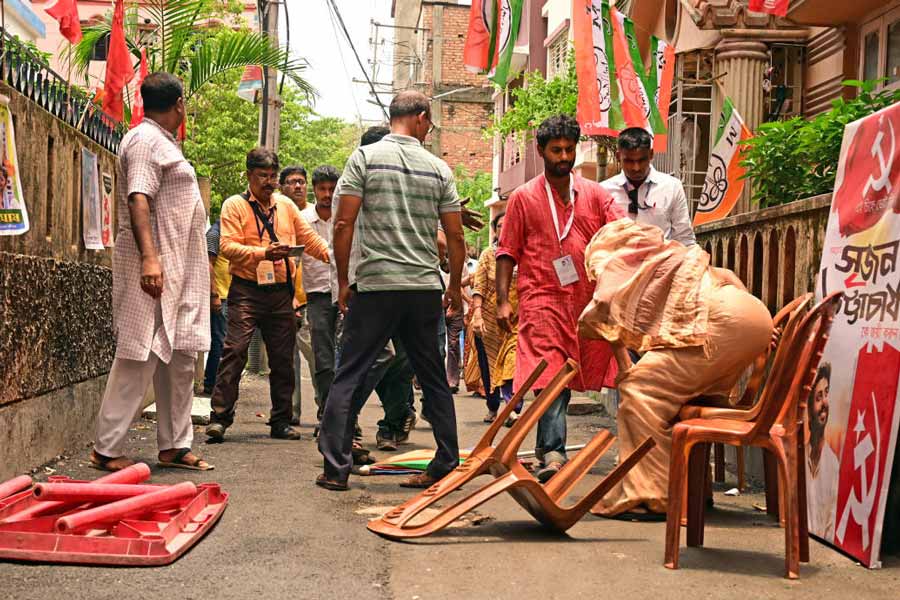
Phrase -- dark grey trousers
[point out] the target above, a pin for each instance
(374, 317)
(322, 316)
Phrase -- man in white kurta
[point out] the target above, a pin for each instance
(160, 285)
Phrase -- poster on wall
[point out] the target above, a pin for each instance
(852, 408)
(13, 212)
(106, 204)
(90, 201)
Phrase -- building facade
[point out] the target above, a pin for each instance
(429, 37)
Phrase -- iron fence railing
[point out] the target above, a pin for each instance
(26, 71)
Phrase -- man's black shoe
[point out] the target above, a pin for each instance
(284, 432)
(385, 441)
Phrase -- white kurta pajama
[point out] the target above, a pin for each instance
(156, 338)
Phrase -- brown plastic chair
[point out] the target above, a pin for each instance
(706, 407)
(541, 501)
(788, 320)
(774, 430)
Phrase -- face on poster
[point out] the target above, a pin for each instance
(852, 418)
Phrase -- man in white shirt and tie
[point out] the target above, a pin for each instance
(647, 195)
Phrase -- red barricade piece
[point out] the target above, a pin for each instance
(17, 484)
(89, 492)
(95, 526)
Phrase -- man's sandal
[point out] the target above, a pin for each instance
(108, 463)
(329, 484)
(179, 462)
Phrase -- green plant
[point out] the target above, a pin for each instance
(478, 188)
(537, 99)
(222, 128)
(191, 38)
(793, 159)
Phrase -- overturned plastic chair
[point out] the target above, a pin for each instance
(543, 502)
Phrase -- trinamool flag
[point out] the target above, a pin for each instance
(479, 53)
(853, 416)
(509, 16)
(724, 177)
(615, 91)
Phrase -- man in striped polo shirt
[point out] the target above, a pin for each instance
(400, 192)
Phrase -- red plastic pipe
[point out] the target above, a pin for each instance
(136, 473)
(90, 492)
(115, 511)
(16, 484)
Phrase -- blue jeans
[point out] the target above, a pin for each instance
(550, 445)
(217, 325)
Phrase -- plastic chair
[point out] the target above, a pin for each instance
(774, 429)
(788, 319)
(706, 407)
(541, 501)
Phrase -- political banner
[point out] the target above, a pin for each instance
(508, 19)
(479, 54)
(13, 212)
(106, 210)
(852, 415)
(724, 178)
(91, 215)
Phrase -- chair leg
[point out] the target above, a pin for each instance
(803, 518)
(677, 484)
(741, 467)
(719, 476)
(790, 511)
(698, 468)
(770, 474)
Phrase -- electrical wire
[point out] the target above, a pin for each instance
(340, 19)
(348, 79)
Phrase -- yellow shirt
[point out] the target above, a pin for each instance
(222, 276)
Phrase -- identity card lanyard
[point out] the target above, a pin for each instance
(564, 265)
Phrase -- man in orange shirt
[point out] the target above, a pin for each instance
(258, 231)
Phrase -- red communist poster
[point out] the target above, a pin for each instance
(852, 415)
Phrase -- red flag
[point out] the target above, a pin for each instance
(137, 107)
(778, 8)
(478, 51)
(66, 13)
(182, 131)
(119, 70)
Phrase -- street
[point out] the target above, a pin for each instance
(282, 537)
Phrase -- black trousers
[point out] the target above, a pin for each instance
(372, 319)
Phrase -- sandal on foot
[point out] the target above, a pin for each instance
(490, 417)
(108, 463)
(329, 484)
(179, 462)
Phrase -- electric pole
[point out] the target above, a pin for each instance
(270, 115)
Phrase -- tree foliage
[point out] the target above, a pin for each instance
(477, 187)
(191, 39)
(794, 159)
(222, 128)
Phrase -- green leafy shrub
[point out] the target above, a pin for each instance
(797, 158)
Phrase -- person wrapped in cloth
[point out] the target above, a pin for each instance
(697, 327)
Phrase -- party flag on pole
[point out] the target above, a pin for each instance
(662, 71)
(479, 54)
(137, 107)
(66, 13)
(599, 111)
(508, 19)
(724, 178)
(119, 70)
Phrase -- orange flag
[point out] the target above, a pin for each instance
(119, 69)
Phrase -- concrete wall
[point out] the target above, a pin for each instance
(56, 340)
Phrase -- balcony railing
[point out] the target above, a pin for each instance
(27, 72)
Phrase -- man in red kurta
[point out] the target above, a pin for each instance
(549, 222)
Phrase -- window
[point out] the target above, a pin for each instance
(556, 55)
(691, 123)
(880, 48)
(101, 48)
(787, 81)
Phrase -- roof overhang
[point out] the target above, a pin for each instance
(825, 13)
